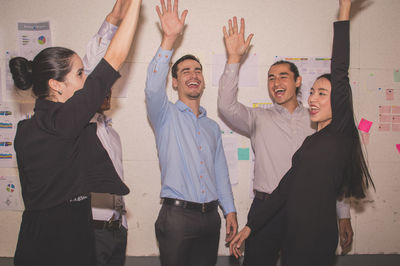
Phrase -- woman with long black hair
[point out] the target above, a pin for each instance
(329, 165)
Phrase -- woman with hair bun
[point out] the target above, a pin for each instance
(60, 159)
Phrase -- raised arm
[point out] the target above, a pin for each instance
(342, 110)
(121, 43)
(236, 114)
(97, 46)
(172, 26)
(77, 111)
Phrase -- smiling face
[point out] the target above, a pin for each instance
(320, 103)
(189, 81)
(282, 86)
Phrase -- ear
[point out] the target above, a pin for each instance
(298, 81)
(175, 83)
(56, 86)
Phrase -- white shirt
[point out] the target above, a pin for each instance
(104, 205)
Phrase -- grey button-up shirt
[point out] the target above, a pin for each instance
(275, 133)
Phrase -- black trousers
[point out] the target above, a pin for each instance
(262, 248)
(110, 246)
(62, 236)
(187, 237)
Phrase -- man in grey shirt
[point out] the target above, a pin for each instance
(275, 134)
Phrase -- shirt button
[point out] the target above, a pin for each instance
(198, 132)
(201, 176)
(202, 191)
(200, 147)
(201, 162)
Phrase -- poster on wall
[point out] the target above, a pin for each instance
(310, 68)
(32, 38)
(10, 193)
(7, 134)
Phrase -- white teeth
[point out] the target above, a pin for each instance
(279, 90)
(193, 83)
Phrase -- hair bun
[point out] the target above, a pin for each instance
(21, 70)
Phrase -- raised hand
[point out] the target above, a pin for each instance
(172, 25)
(118, 12)
(235, 44)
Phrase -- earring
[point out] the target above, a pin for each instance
(59, 92)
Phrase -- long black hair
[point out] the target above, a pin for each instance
(50, 63)
(358, 178)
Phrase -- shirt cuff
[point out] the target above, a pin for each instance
(231, 69)
(107, 30)
(343, 209)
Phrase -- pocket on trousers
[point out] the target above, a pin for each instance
(160, 222)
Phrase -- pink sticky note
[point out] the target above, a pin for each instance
(387, 109)
(396, 127)
(389, 94)
(364, 125)
(398, 147)
(384, 127)
(396, 109)
(396, 119)
(385, 118)
(365, 138)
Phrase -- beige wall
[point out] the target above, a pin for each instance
(284, 27)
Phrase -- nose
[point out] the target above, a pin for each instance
(277, 81)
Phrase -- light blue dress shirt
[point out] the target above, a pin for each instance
(190, 151)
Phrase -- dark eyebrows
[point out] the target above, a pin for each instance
(280, 74)
(80, 70)
(188, 68)
(184, 69)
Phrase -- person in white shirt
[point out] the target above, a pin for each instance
(109, 219)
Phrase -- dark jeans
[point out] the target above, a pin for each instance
(110, 246)
(262, 247)
(187, 237)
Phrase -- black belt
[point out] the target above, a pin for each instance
(109, 225)
(201, 207)
(261, 195)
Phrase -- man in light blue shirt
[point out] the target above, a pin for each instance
(194, 173)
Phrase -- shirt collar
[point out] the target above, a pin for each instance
(300, 108)
(183, 107)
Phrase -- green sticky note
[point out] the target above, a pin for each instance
(396, 75)
(243, 154)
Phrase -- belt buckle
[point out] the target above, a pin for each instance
(203, 207)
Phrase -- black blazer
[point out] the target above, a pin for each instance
(58, 152)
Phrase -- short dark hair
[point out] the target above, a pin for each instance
(50, 63)
(293, 68)
(174, 70)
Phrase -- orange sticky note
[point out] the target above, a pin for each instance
(364, 125)
(396, 109)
